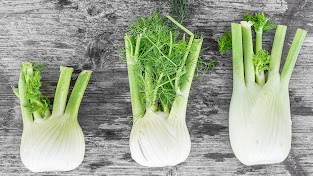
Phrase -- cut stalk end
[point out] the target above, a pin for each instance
(246, 24)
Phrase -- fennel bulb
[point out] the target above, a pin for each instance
(51, 142)
(259, 115)
(160, 70)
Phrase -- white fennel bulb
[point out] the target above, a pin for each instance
(260, 123)
(159, 138)
(51, 142)
(161, 67)
(259, 115)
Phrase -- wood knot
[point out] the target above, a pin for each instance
(99, 10)
(64, 2)
(61, 4)
(172, 171)
(98, 49)
(93, 10)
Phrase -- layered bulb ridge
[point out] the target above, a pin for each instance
(156, 140)
(56, 144)
(260, 123)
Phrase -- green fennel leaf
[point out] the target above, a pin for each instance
(260, 22)
(160, 56)
(261, 60)
(225, 42)
(36, 101)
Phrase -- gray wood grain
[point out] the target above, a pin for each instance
(88, 34)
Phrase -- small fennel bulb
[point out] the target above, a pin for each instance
(160, 69)
(259, 115)
(51, 141)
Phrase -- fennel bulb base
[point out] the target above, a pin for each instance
(260, 123)
(157, 140)
(56, 144)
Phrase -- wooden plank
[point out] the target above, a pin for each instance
(88, 35)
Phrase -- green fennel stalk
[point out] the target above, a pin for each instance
(260, 24)
(35, 105)
(258, 59)
(157, 61)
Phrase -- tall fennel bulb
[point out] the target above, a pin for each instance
(259, 115)
(160, 70)
(51, 142)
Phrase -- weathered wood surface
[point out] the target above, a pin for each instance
(88, 34)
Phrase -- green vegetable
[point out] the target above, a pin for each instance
(225, 42)
(261, 58)
(260, 22)
(50, 142)
(259, 115)
(161, 67)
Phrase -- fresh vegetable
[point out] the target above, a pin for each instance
(51, 141)
(259, 115)
(225, 42)
(161, 67)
